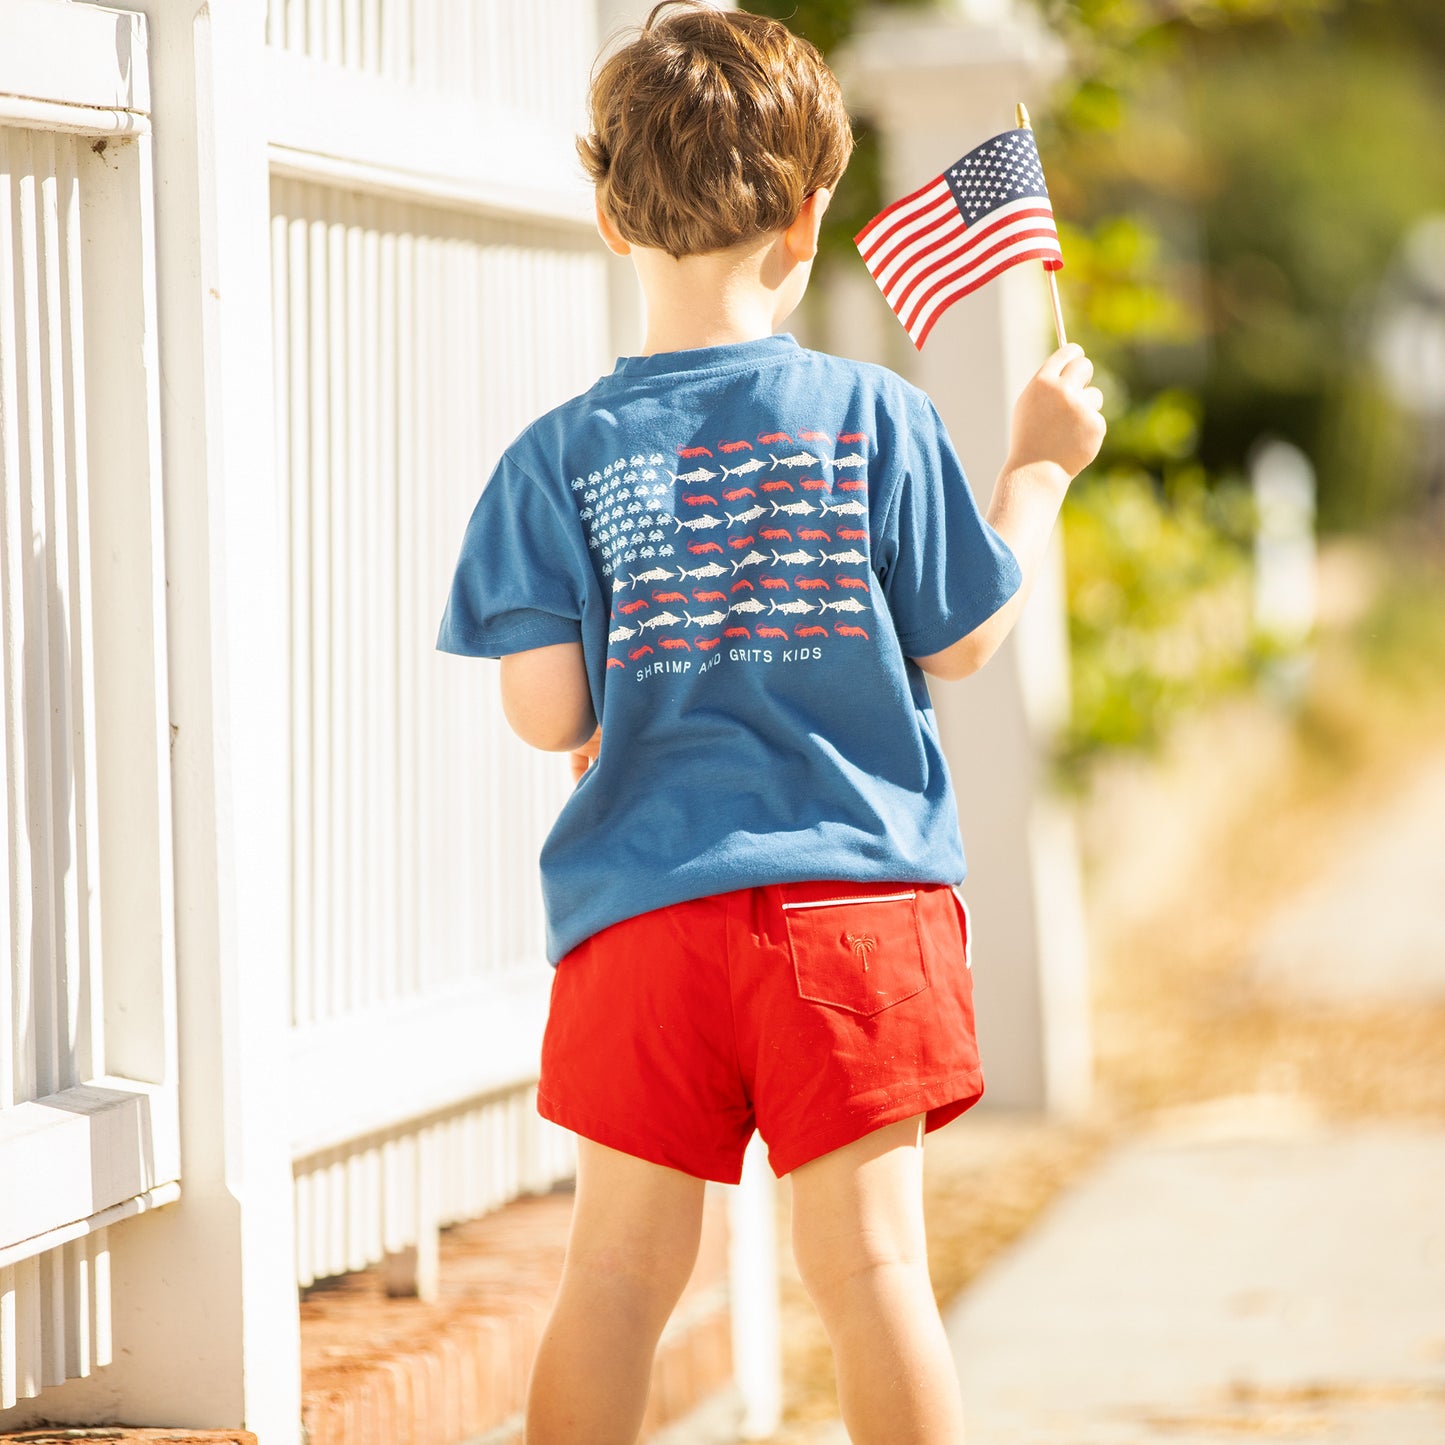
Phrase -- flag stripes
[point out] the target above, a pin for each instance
(988, 212)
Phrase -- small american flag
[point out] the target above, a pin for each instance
(987, 212)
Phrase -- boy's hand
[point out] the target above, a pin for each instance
(1058, 417)
(585, 754)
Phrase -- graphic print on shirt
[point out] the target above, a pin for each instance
(685, 555)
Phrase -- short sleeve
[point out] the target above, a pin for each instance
(517, 583)
(942, 568)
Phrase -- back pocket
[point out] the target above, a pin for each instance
(857, 951)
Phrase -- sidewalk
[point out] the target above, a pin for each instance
(1245, 1273)
(1246, 1270)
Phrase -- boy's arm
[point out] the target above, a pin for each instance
(546, 699)
(1057, 430)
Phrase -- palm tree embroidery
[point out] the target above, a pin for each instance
(861, 944)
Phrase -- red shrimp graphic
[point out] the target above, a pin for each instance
(670, 596)
(738, 493)
(614, 662)
(853, 436)
(772, 584)
(851, 582)
(812, 584)
(741, 541)
(775, 534)
(736, 632)
(812, 436)
(851, 534)
(706, 644)
(709, 596)
(633, 606)
(734, 446)
(686, 452)
(778, 486)
(812, 484)
(772, 632)
(854, 486)
(813, 534)
(740, 583)
(701, 500)
(843, 630)
(703, 547)
(810, 632)
(773, 437)
(673, 643)
(643, 651)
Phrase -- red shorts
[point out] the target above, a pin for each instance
(814, 1012)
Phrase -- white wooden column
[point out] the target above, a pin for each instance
(937, 83)
(205, 1305)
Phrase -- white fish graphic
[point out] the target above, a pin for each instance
(797, 605)
(848, 604)
(794, 557)
(753, 464)
(751, 605)
(798, 509)
(703, 523)
(663, 619)
(746, 517)
(798, 459)
(653, 574)
(707, 619)
(699, 474)
(708, 569)
(847, 509)
(751, 560)
(621, 634)
(851, 555)
(853, 459)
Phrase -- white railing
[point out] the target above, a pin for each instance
(351, 897)
(88, 1103)
(416, 332)
(529, 58)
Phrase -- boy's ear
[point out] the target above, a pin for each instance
(611, 236)
(801, 238)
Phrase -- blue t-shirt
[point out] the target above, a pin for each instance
(750, 541)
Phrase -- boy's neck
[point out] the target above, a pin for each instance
(741, 294)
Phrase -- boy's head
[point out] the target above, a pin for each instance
(711, 128)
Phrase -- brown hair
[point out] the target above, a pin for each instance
(711, 127)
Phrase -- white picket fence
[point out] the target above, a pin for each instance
(88, 1085)
(270, 888)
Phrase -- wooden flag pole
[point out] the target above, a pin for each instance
(1021, 119)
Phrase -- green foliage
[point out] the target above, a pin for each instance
(1231, 180)
(1159, 599)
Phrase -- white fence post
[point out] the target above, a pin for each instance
(756, 1319)
(1283, 481)
(937, 82)
(205, 1308)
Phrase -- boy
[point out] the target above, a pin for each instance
(741, 557)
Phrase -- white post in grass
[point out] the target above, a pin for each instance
(756, 1323)
(1283, 481)
(936, 82)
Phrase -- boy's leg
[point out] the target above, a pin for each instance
(859, 1244)
(633, 1242)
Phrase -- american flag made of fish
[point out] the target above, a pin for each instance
(986, 212)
